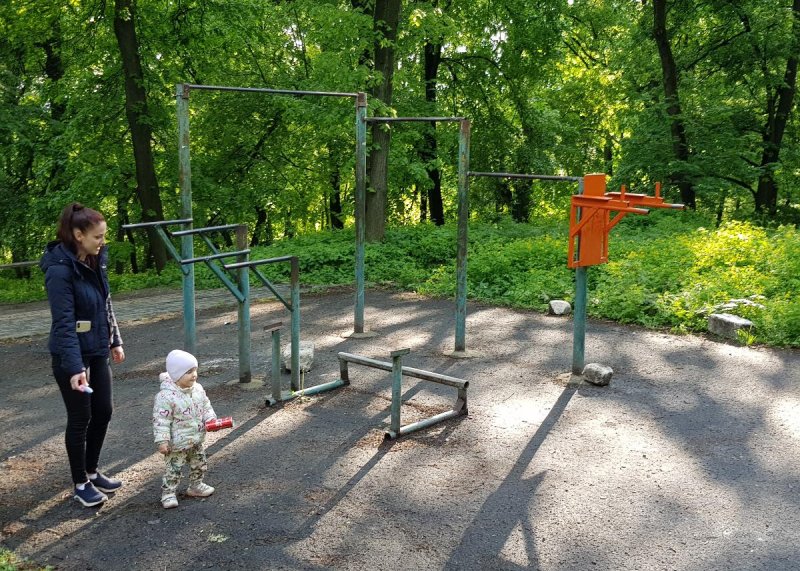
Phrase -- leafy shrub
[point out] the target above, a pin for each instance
(665, 270)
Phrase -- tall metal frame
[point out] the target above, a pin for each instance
(464, 134)
(579, 311)
(182, 93)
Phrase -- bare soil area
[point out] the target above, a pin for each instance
(689, 459)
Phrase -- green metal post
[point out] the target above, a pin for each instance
(397, 389)
(579, 322)
(187, 247)
(360, 207)
(579, 314)
(245, 372)
(276, 365)
(463, 223)
(295, 325)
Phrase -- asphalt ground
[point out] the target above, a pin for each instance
(688, 460)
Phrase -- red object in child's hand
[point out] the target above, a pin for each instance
(219, 423)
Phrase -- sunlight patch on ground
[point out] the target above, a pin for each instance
(519, 414)
(785, 416)
(515, 549)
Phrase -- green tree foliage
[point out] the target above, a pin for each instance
(551, 87)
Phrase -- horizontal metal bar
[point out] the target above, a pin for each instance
(414, 426)
(266, 90)
(412, 119)
(18, 265)
(215, 257)
(251, 263)
(206, 229)
(528, 176)
(320, 388)
(157, 223)
(408, 371)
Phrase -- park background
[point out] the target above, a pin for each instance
(700, 96)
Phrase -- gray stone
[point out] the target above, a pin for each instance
(598, 374)
(559, 307)
(306, 356)
(727, 325)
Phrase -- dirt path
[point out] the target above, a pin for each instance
(689, 460)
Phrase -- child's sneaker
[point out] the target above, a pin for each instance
(105, 484)
(169, 501)
(89, 496)
(199, 490)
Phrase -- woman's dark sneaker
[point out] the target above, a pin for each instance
(89, 496)
(105, 484)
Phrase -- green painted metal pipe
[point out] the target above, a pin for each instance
(527, 176)
(407, 371)
(206, 229)
(276, 364)
(463, 224)
(579, 313)
(157, 223)
(187, 248)
(319, 388)
(414, 119)
(579, 321)
(245, 370)
(397, 388)
(295, 322)
(268, 90)
(360, 208)
(391, 434)
(215, 256)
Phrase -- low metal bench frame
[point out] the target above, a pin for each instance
(398, 370)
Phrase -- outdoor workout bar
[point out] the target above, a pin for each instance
(268, 90)
(463, 221)
(526, 176)
(579, 312)
(414, 119)
(182, 92)
(241, 291)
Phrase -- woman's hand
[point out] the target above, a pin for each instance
(78, 381)
(163, 447)
(117, 354)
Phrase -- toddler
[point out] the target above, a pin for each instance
(179, 415)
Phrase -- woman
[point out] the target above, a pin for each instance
(83, 333)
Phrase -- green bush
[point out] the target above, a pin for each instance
(666, 270)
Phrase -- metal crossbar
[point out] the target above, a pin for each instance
(525, 176)
(398, 370)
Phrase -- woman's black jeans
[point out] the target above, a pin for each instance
(88, 415)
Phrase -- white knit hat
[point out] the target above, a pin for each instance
(178, 362)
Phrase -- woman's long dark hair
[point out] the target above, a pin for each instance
(76, 215)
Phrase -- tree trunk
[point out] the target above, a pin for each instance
(141, 134)
(429, 154)
(335, 200)
(779, 106)
(669, 71)
(386, 19)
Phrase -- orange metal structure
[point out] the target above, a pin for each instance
(590, 218)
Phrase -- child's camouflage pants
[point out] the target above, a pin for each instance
(174, 461)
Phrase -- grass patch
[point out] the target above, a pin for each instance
(667, 270)
(9, 561)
